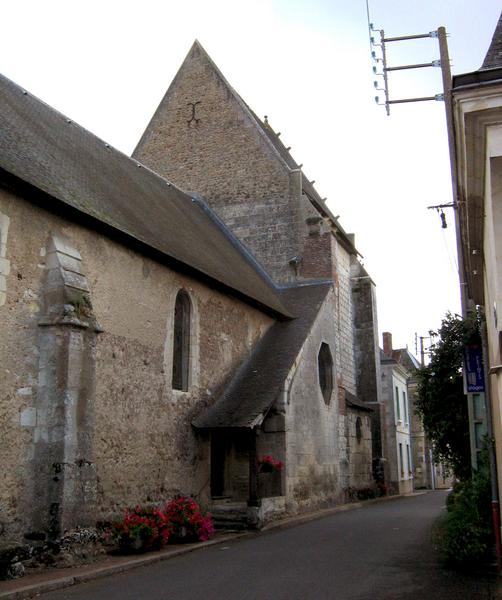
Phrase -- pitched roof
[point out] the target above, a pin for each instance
(267, 134)
(493, 58)
(257, 384)
(45, 149)
(401, 359)
(406, 359)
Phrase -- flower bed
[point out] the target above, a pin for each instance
(179, 520)
(187, 521)
(141, 529)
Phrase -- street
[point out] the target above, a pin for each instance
(382, 551)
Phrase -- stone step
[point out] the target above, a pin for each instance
(230, 525)
(238, 507)
(230, 516)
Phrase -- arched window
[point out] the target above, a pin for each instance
(325, 366)
(359, 430)
(181, 343)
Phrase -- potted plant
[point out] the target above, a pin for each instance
(141, 529)
(268, 464)
(187, 521)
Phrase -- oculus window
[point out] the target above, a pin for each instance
(325, 367)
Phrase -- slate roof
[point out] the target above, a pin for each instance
(493, 58)
(354, 401)
(405, 358)
(45, 149)
(401, 357)
(259, 381)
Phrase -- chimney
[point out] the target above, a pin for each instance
(387, 343)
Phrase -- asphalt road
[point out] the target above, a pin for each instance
(378, 552)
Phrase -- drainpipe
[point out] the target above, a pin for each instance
(491, 447)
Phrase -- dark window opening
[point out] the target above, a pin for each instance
(359, 430)
(325, 365)
(181, 347)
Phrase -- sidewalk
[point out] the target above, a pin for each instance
(53, 579)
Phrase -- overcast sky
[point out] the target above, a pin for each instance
(306, 64)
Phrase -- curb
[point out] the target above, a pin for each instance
(326, 512)
(21, 592)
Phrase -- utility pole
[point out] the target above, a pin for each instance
(422, 348)
(444, 64)
(446, 96)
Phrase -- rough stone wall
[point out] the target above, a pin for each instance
(272, 441)
(4, 263)
(359, 471)
(365, 334)
(318, 260)
(18, 365)
(65, 484)
(367, 358)
(204, 139)
(312, 426)
(144, 448)
(344, 318)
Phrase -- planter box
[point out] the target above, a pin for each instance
(269, 484)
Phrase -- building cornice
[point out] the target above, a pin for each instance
(475, 109)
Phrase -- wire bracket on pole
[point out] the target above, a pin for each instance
(380, 58)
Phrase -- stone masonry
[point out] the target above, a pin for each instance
(218, 154)
(117, 383)
(89, 420)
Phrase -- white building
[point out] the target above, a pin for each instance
(397, 437)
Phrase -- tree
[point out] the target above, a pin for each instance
(441, 402)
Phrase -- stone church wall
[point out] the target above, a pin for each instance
(312, 444)
(143, 446)
(359, 468)
(203, 140)
(344, 318)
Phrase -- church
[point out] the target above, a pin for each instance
(173, 320)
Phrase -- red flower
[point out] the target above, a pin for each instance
(269, 463)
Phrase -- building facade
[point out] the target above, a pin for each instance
(204, 137)
(170, 319)
(398, 436)
(476, 103)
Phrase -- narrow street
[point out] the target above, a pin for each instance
(379, 552)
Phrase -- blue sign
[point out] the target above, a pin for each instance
(473, 368)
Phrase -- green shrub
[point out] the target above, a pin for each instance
(465, 534)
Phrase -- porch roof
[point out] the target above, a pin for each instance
(257, 384)
(355, 403)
